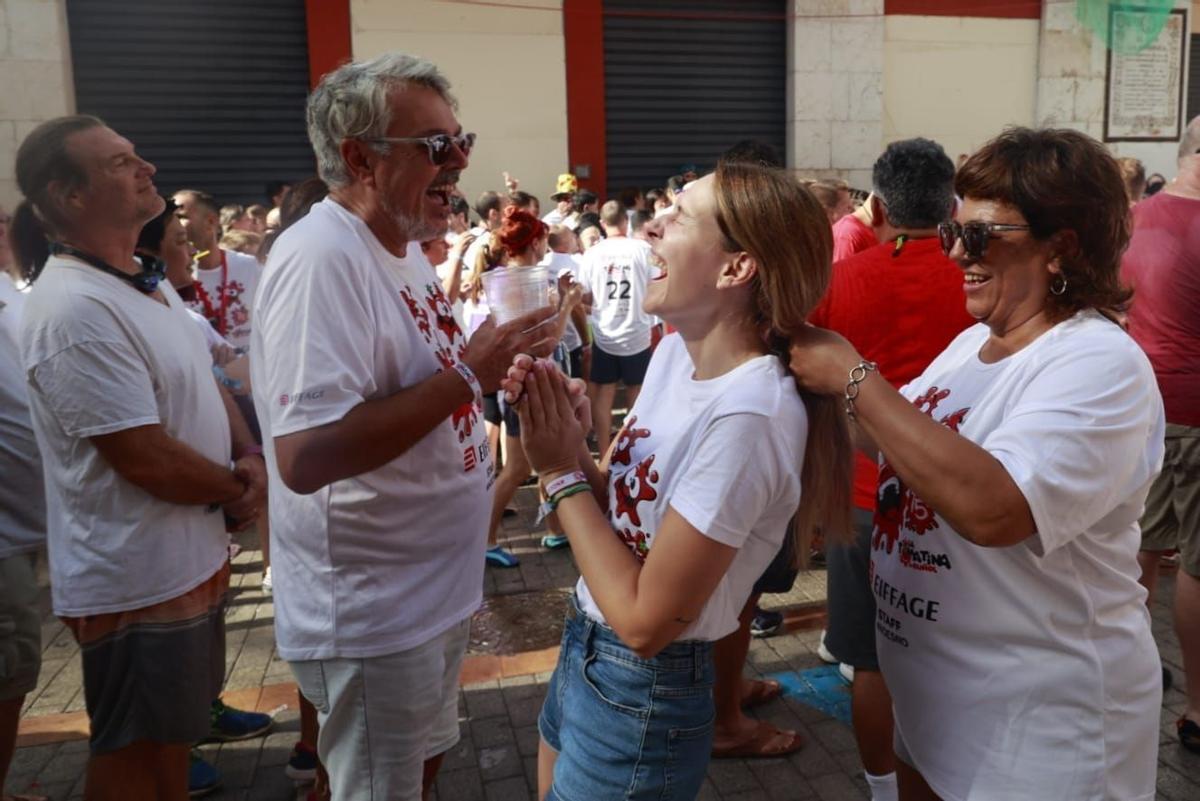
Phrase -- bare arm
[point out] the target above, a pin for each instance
(167, 468)
(239, 430)
(964, 483)
(371, 434)
(377, 431)
(648, 605)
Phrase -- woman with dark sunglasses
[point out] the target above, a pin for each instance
(1012, 631)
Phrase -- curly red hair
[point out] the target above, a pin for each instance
(519, 230)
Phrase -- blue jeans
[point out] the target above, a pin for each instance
(626, 727)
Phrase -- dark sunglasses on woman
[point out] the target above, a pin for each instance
(974, 235)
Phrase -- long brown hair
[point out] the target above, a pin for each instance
(767, 213)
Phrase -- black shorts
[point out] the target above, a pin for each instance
(609, 369)
(850, 630)
(781, 574)
(576, 360)
(491, 409)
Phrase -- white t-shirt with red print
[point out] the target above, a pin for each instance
(225, 296)
(1029, 671)
(725, 454)
(386, 560)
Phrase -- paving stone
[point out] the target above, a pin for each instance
(528, 739)
(837, 787)
(731, 775)
(499, 762)
(485, 703)
(513, 789)
(460, 785)
(488, 732)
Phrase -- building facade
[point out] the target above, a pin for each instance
(622, 92)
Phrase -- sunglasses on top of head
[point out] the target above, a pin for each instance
(974, 235)
(440, 146)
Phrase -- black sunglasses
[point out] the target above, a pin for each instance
(974, 236)
(439, 145)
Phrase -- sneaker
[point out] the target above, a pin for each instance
(1189, 734)
(847, 672)
(499, 557)
(203, 778)
(266, 581)
(765, 623)
(302, 764)
(235, 724)
(824, 652)
(555, 541)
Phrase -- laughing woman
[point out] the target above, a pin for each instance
(1013, 633)
(702, 483)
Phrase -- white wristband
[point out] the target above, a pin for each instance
(472, 382)
(564, 481)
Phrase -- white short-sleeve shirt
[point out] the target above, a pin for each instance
(22, 492)
(561, 264)
(386, 560)
(101, 357)
(725, 454)
(1029, 671)
(230, 288)
(616, 271)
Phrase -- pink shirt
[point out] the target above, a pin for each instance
(1162, 265)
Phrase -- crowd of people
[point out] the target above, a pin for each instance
(976, 385)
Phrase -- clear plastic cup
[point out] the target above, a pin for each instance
(514, 291)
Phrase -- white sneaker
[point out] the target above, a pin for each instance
(824, 653)
(266, 581)
(847, 672)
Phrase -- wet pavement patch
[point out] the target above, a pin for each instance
(822, 688)
(514, 624)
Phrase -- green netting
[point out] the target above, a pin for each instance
(1135, 23)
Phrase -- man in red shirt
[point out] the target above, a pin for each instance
(1162, 265)
(900, 303)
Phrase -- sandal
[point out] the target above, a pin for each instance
(1189, 734)
(497, 556)
(765, 742)
(762, 691)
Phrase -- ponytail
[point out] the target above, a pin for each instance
(30, 241)
(825, 476)
(490, 256)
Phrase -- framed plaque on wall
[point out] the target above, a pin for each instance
(1143, 84)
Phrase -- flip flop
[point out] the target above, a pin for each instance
(762, 691)
(765, 742)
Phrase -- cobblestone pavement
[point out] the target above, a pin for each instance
(495, 760)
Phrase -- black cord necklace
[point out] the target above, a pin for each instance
(146, 282)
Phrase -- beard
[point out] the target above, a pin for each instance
(416, 228)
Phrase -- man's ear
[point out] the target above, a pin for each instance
(357, 157)
(878, 211)
(740, 270)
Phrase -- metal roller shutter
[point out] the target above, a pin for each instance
(685, 80)
(212, 92)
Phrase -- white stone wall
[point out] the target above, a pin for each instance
(1070, 83)
(835, 88)
(35, 77)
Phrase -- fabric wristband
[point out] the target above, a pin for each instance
(564, 481)
(252, 450)
(472, 382)
(577, 488)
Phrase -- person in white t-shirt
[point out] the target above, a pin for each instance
(225, 279)
(563, 260)
(702, 485)
(370, 401)
(490, 208)
(136, 444)
(564, 191)
(22, 520)
(616, 271)
(1011, 627)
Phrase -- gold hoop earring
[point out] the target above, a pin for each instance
(1058, 286)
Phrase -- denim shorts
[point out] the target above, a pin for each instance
(626, 727)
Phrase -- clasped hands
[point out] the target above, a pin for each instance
(554, 411)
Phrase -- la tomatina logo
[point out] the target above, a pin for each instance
(926, 561)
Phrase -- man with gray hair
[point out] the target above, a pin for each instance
(371, 400)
